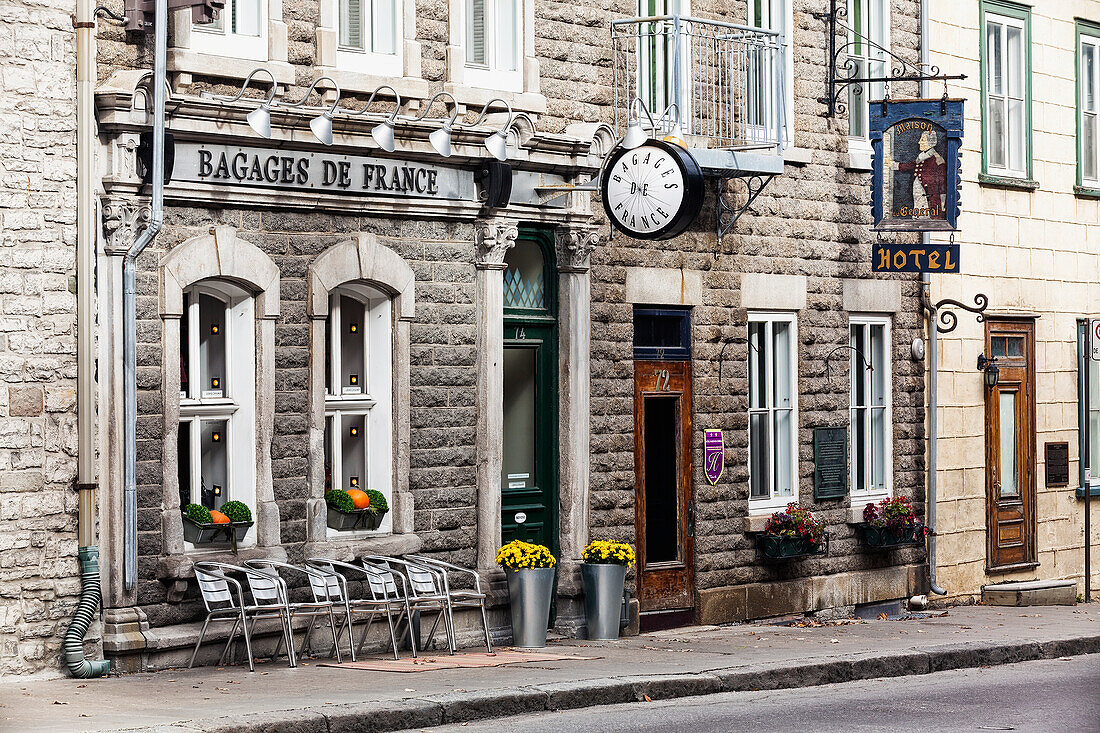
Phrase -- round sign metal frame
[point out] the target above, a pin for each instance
(690, 203)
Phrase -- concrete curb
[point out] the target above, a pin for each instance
(458, 707)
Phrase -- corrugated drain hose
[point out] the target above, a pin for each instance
(90, 596)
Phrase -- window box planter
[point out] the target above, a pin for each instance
(885, 538)
(356, 519)
(785, 548)
(208, 534)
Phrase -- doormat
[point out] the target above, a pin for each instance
(459, 661)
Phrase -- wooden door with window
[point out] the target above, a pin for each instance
(1010, 445)
(664, 514)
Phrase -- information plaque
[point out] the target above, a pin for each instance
(830, 463)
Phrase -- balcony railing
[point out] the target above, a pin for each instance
(726, 80)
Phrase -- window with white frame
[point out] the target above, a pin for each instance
(773, 410)
(216, 449)
(869, 411)
(1088, 92)
(657, 83)
(494, 44)
(358, 391)
(1005, 72)
(867, 41)
(239, 31)
(1088, 410)
(772, 15)
(369, 34)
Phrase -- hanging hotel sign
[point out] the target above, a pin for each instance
(714, 455)
(941, 258)
(237, 165)
(916, 174)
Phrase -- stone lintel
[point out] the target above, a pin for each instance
(763, 291)
(872, 296)
(663, 286)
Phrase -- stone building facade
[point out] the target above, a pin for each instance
(1030, 242)
(464, 306)
(38, 568)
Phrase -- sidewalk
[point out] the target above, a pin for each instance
(681, 662)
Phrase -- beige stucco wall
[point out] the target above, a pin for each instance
(1031, 252)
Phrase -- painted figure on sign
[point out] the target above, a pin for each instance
(929, 175)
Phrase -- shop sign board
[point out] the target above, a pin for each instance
(714, 455)
(915, 172)
(940, 258)
(237, 165)
(1094, 341)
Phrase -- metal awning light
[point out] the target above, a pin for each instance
(441, 138)
(635, 136)
(258, 119)
(321, 125)
(497, 143)
(383, 132)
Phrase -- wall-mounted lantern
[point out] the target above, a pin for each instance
(988, 366)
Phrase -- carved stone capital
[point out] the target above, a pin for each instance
(494, 237)
(123, 220)
(574, 245)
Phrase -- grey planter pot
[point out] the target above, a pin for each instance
(358, 519)
(603, 599)
(530, 591)
(209, 534)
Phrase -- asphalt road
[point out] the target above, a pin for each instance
(1059, 695)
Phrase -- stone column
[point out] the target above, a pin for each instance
(574, 244)
(493, 238)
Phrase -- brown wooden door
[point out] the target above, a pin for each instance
(664, 514)
(1010, 445)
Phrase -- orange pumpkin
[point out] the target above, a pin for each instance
(217, 517)
(359, 498)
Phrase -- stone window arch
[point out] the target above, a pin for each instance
(364, 267)
(213, 260)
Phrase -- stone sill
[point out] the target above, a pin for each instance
(1019, 184)
(182, 566)
(797, 156)
(352, 548)
(477, 97)
(410, 88)
(1086, 192)
(182, 60)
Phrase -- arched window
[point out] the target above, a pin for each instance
(217, 396)
(358, 391)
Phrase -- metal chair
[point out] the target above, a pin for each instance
(385, 598)
(423, 592)
(216, 586)
(460, 597)
(321, 605)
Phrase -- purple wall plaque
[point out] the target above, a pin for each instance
(714, 455)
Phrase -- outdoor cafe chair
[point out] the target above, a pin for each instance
(321, 605)
(381, 599)
(217, 586)
(460, 597)
(423, 591)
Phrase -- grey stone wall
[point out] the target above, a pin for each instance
(38, 568)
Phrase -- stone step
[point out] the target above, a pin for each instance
(1031, 593)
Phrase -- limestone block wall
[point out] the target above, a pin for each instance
(38, 568)
(1032, 252)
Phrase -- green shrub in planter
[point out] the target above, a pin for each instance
(197, 513)
(237, 511)
(339, 500)
(377, 501)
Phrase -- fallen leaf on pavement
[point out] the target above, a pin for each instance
(834, 641)
(59, 702)
(647, 698)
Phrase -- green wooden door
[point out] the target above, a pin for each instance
(529, 479)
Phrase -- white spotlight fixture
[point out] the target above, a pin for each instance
(635, 135)
(441, 138)
(321, 126)
(497, 143)
(258, 119)
(383, 132)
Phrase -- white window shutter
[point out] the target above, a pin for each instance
(351, 24)
(475, 33)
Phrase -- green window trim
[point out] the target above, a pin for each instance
(1022, 13)
(1081, 28)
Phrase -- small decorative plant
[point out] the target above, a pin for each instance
(378, 503)
(608, 552)
(896, 514)
(517, 555)
(795, 522)
(237, 511)
(339, 500)
(198, 514)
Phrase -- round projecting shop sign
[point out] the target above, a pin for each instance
(653, 191)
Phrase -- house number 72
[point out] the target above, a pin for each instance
(661, 374)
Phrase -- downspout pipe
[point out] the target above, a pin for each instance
(933, 351)
(87, 551)
(129, 307)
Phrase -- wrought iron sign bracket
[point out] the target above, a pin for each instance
(945, 319)
(841, 69)
(728, 211)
